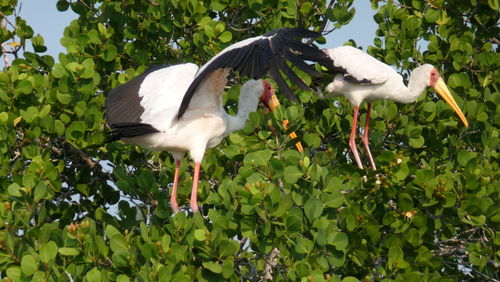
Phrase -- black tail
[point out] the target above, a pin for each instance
(129, 129)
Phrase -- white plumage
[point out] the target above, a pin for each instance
(360, 77)
(162, 92)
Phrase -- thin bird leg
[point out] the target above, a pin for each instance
(365, 136)
(194, 191)
(173, 197)
(352, 142)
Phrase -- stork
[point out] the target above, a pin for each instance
(360, 77)
(179, 108)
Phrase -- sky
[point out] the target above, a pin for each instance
(45, 19)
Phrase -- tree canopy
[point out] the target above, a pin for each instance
(75, 208)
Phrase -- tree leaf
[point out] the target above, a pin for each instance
(29, 265)
(213, 266)
(313, 209)
(292, 174)
(48, 251)
(66, 251)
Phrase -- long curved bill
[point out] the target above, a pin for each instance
(272, 104)
(444, 92)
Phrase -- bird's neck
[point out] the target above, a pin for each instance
(416, 86)
(247, 103)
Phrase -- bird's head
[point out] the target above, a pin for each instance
(268, 98)
(436, 81)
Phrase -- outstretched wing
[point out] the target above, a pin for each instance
(151, 98)
(359, 67)
(266, 54)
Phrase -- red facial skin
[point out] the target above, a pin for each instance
(435, 76)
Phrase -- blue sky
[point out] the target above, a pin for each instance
(45, 19)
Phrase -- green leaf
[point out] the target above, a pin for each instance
(40, 191)
(213, 266)
(396, 259)
(292, 174)
(302, 268)
(14, 190)
(306, 8)
(66, 251)
(24, 86)
(111, 231)
(229, 248)
(417, 142)
(75, 130)
(62, 5)
(405, 201)
(350, 279)
(338, 239)
(59, 71)
(199, 234)
(14, 273)
(293, 224)
(312, 140)
(94, 275)
(258, 158)
(63, 98)
(123, 278)
(463, 157)
(48, 251)
(109, 52)
(228, 268)
(494, 5)
(4, 117)
(29, 265)
(226, 36)
(313, 208)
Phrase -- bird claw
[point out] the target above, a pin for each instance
(174, 206)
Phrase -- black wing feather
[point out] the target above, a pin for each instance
(303, 66)
(129, 129)
(264, 55)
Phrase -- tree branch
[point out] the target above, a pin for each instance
(271, 262)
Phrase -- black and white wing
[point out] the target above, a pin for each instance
(149, 102)
(266, 54)
(359, 67)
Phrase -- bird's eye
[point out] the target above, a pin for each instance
(269, 88)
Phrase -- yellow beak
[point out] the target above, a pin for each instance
(273, 102)
(444, 92)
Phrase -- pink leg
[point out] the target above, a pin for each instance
(194, 190)
(352, 142)
(173, 197)
(365, 136)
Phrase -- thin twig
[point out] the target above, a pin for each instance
(325, 22)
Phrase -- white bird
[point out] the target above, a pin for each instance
(361, 77)
(179, 108)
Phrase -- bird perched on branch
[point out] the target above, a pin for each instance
(360, 77)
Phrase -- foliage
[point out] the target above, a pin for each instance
(73, 208)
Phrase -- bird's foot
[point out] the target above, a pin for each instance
(194, 206)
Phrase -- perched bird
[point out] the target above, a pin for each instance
(360, 77)
(179, 108)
